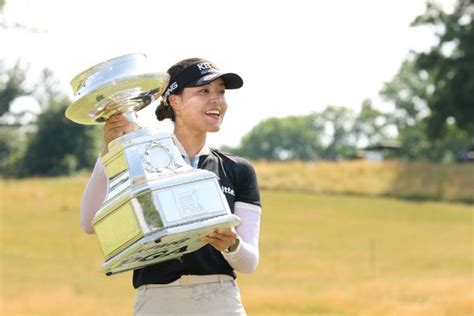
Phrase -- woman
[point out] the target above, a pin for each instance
(202, 282)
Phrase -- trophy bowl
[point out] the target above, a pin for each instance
(157, 207)
(120, 85)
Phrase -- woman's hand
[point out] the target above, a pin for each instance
(221, 239)
(116, 126)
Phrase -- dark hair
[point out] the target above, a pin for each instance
(164, 111)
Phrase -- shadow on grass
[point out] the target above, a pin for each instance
(433, 182)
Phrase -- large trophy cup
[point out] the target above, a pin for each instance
(157, 207)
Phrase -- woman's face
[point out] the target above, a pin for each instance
(201, 109)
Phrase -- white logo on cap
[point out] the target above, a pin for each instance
(170, 90)
(173, 86)
(210, 77)
(205, 66)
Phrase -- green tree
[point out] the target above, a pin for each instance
(60, 146)
(12, 148)
(332, 134)
(337, 123)
(409, 90)
(12, 136)
(52, 145)
(12, 86)
(450, 67)
(370, 126)
(293, 137)
(415, 144)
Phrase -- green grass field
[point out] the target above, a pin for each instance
(320, 255)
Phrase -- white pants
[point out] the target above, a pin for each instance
(191, 294)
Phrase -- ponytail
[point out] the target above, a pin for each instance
(164, 111)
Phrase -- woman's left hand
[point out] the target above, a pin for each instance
(221, 239)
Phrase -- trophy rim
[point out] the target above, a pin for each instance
(87, 110)
(76, 82)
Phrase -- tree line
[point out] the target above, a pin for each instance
(433, 116)
(44, 144)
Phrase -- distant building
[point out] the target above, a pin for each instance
(467, 155)
(379, 151)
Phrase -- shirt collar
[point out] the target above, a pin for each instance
(203, 152)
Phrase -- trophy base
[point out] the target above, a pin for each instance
(166, 244)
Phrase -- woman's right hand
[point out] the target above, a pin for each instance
(116, 126)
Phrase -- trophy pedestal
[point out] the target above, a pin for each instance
(157, 207)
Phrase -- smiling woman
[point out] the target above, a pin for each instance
(200, 282)
(191, 107)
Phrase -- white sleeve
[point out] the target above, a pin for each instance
(94, 195)
(245, 258)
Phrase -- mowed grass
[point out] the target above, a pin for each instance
(320, 255)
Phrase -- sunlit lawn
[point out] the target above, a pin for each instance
(400, 179)
(320, 255)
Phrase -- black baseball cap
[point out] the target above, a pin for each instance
(199, 74)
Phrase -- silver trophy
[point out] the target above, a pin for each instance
(157, 207)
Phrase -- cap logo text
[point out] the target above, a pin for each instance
(173, 86)
(205, 66)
